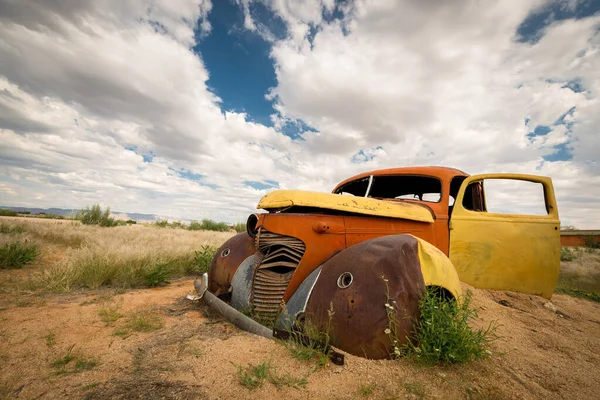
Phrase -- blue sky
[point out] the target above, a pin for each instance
(197, 108)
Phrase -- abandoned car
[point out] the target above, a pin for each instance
(380, 238)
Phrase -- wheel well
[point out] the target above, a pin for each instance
(442, 292)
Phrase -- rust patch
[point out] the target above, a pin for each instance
(352, 286)
(226, 261)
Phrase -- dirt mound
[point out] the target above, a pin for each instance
(151, 344)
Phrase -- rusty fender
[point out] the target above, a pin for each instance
(356, 294)
(226, 261)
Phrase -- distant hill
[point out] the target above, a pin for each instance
(115, 214)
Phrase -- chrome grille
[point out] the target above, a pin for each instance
(279, 257)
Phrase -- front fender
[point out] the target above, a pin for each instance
(356, 294)
(226, 261)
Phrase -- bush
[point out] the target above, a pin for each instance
(15, 255)
(95, 216)
(239, 227)
(131, 222)
(210, 225)
(157, 275)
(443, 334)
(195, 226)
(566, 254)
(161, 223)
(7, 213)
(203, 259)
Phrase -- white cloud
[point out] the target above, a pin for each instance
(389, 84)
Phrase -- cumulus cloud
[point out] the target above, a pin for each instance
(448, 83)
(108, 101)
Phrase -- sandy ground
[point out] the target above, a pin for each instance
(547, 351)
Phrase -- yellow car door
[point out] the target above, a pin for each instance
(492, 250)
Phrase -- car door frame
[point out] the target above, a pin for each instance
(517, 252)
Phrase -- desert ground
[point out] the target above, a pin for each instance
(68, 335)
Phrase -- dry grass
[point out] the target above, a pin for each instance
(82, 256)
(582, 273)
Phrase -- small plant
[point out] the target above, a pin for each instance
(9, 229)
(443, 334)
(566, 254)
(15, 255)
(145, 321)
(110, 314)
(366, 390)
(287, 380)
(253, 376)
(202, 259)
(311, 342)
(76, 362)
(157, 275)
(4, 212)
(50, 339)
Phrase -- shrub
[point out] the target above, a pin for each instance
(239, 227)
(4, 212)
(157, 275)
(161, 223)
(566, 254)
(443, 334)
(131, 222)
(210, 225)
(15, 255)
(95, 216)
(203, 259)
(195, 226)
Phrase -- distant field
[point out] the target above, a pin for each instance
(73, 256)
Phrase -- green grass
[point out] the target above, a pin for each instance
(15, 255)
(579, 293)
(72, 363)
(239, 227)
(202, 259)
(566, 254)
(92, 270)
(286, 380)
(157, 275)
(110, 314)
(311, 343)
(145, 321)
(254, 376)
(50, 339)
(9, 229)
(367, 389)
(443, 334)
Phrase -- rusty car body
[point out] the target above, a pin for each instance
(381, 238)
